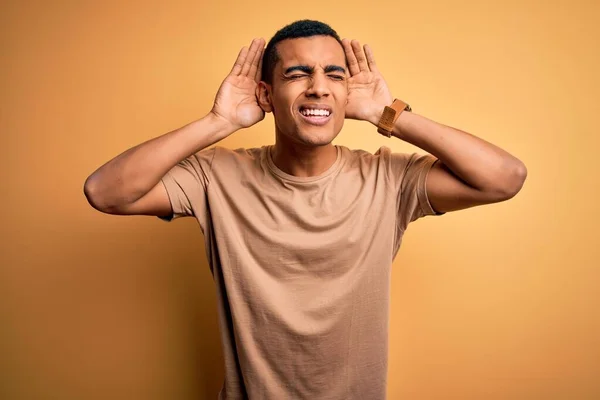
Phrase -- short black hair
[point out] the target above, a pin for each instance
(298, 29)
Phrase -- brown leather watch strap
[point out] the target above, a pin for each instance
(390, 116)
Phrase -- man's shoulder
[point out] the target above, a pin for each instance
(361, 155)
(238, 159)
(240, 154)
(228, 156)
(253, 152)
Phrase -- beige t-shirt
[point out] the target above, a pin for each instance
(302, 265)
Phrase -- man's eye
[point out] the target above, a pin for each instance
(297, 76)
(337, 77)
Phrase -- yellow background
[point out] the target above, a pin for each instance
(496, 302)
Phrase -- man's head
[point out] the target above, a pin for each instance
(304, 82)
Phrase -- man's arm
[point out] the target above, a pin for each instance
(130, 183)
(470, 171)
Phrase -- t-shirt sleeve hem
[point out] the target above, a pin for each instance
(424, 203)
(169, 184)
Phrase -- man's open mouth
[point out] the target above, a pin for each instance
(315, 115)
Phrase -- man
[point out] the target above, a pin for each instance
(301, 235)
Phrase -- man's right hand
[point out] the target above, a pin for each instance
(236, 101)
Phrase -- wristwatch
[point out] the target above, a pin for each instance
(390, 115)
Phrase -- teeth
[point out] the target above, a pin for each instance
(308, 111)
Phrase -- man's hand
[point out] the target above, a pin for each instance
(236, 101)
(368, 93)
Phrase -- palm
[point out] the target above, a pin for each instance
(367, 91)
(366, 87)
(236, 100)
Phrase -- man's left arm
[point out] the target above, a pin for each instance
(470, 171)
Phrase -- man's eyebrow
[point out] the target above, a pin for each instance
(334, 68)
(302, 68)
(309, 70)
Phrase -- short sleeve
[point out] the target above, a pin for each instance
(409, 174)
(187, 185)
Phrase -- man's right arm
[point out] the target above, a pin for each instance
(130, 183)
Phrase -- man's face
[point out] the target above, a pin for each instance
(309, 90)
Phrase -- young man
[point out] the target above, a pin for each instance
(301, 235)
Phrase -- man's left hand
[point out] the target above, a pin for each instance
(368, 93)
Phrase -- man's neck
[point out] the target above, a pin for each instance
(303, 161)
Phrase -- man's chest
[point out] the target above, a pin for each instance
(322, 226)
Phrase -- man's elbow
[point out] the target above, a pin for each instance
(96, 196)
(513, 182)
(90, 190)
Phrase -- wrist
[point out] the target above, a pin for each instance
(222, 126)
(375, 112)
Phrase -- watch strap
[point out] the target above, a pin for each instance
(390, 116)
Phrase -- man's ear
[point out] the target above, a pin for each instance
(263, 96)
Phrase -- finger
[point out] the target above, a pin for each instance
(370, 58)
(256, 59)
(259, 68)
(350, 57)
(360, 56)
(239, 62)
(250, 58)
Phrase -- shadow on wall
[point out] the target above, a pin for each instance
(113, 307)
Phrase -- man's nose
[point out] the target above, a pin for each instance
(318, 86)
